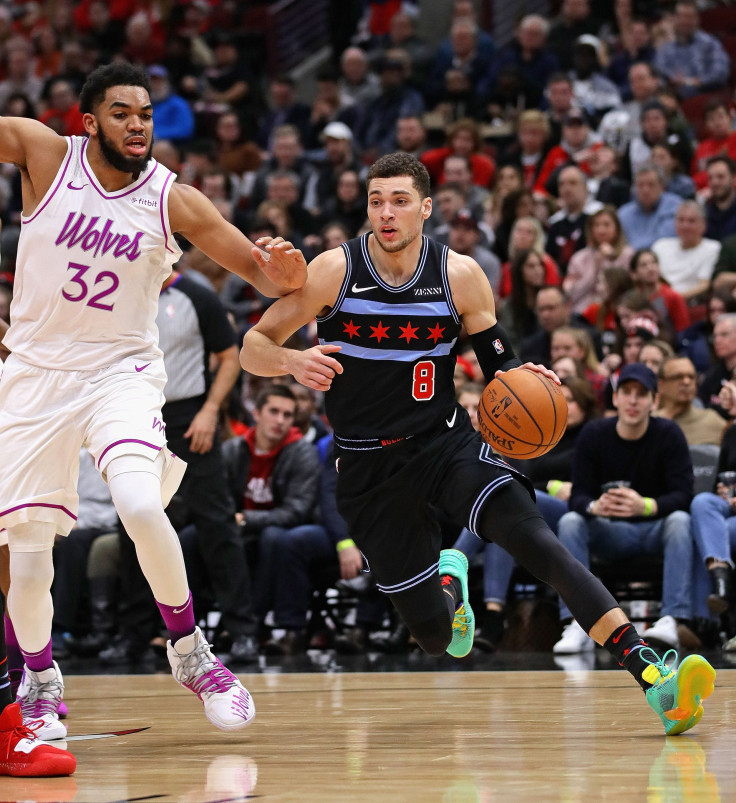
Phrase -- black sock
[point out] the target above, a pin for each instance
(625, 645)
(454, 586)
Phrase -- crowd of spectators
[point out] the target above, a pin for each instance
(587, 166)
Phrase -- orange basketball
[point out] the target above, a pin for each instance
(522, 414)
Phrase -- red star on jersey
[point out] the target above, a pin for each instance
(380, 331)
(409, 332)
(351, 329)
(436, 333)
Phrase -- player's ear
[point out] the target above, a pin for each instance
(426, 208)
(90, 123)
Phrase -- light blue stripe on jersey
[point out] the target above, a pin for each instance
(351, 350)
(431, 309)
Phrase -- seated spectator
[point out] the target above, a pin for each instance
(667, 158)
(464, 238)
(327, 107)
(604, 185)
(19, 72)
(287, 154)
(282, 187)
(714, 531)
(611, 285)
(172, 115)
(411, 135)
(577, 146)
(234, 153)
(560, 101)
(678, 385)
(457, 170)
(402, 35)
(606, 248)
(464, 140)
(508, 180)
(632, 483)
(62, 114)
(593, 91)
(724, 347)
(447, 201)
(637, 49)
(688, 259)
(285, 110)
(720, 206)
(575, 19)
(530, 146)
(142, 44)
(566, 233)
(274, 482)
(695, 62)
(339, 156)
(576, 342)
(306, 417)
(552, 311)
(721, 140)
(465, 55)
(517, 314)
(348, 202)
(377, 131)
(619, 126)
(654, 353)
(650, 215)
(696, 342)
(672, 307)
(527, 233)
(358, 84)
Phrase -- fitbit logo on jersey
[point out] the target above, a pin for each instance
(100, 241)
(498, 345)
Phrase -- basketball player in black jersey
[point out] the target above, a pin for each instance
(389, 307)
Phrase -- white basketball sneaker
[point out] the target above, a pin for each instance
(227, 703)
(39, 695)
(574, 640)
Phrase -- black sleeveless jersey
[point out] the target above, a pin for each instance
(398, 347)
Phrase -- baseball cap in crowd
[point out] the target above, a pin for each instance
(337, 130)
(642, 327)
(638, 372)
(466, 219)
(158, 71)
(575, 116)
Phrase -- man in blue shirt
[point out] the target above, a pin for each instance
(651, 214)
(172, 115)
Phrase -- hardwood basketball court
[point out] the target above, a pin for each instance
(453, 737)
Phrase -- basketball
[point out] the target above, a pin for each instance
(522, 414)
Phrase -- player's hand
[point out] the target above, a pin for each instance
(314, 367)
(351, 562)
(283, 264)
(202, 430)
(540, 369)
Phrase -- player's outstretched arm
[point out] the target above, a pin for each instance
(195, 217)
(263, 352)
(21, 138)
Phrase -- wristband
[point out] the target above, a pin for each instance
(648, 506)
(553, 487)
(346, 543)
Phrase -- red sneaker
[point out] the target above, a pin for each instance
(22, 753)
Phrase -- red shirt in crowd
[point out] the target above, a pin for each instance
(258, 493)
(482, 166)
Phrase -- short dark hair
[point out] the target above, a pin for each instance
(722, 157)
(401, 164)
(273, 390)
(109, 75)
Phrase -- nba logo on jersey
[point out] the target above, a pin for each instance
(498, 345)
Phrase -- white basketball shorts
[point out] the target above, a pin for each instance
(47, 416)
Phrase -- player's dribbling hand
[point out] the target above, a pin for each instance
(540, 369)
(283, 264)
(314, 367)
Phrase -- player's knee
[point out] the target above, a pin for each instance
(433, 635)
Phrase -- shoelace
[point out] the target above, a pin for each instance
(659, 663)
(202, 674)
(42, 699)
(24, 731)
(460, 622)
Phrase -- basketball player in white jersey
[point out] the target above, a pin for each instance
(96, 243)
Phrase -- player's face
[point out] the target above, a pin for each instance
(633, 402)
(123, 125)
(396, 212)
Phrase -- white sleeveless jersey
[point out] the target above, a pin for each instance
(90, 267)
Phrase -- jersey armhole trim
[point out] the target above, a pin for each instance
(446, 284)
(164, 203)
(46, 200)
(343, 288)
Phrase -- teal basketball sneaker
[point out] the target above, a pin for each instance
(454, 563)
